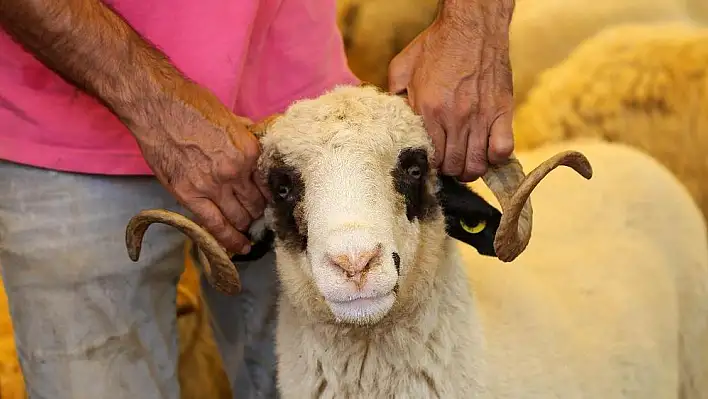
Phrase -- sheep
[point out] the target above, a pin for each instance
(641, 85)
(378, 301)
(642, 317)
(699, 10)
(544, 33)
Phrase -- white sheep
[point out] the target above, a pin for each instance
(644, 85)
(378, 301)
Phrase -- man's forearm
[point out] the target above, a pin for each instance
(93, 48)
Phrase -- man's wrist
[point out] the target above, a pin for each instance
(475, 13)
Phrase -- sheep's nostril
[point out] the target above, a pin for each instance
(356, 262)
(397, 262)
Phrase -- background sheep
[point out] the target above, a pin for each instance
(375, 299)
(544, 32)
(642, 85)
(616, 283)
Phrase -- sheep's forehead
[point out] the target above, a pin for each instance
(357, 121)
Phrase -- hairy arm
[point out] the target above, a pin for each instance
(92, 47)
(197, 148)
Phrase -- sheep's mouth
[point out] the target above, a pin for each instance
(362, 308)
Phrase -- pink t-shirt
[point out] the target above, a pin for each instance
(257, 56)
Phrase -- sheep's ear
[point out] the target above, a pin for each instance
(468, 217)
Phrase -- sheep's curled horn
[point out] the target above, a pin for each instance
(506, 181)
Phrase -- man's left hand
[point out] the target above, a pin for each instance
(458, 78)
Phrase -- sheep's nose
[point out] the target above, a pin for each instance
(356, 262)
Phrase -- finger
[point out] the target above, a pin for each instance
(476, 156)
(437, 136)
(262, 183)
(399, 74)
(209, 216)
(250, 198)
(501, 139)
(400, 69)
(455, 150)
(233, 209)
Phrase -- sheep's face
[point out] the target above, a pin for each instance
(353, 195)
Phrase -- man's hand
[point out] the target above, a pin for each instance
(197, 148)
(458, 78)
(206, 157)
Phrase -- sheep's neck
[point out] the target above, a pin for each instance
(422, 352)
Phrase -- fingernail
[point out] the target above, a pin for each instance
(245, 249)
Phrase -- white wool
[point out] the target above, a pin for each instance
(608, 301)
(610, 298)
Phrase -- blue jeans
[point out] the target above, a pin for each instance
(90, 323)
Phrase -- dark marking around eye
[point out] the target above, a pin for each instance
(410, 179)
(463, 208)
(397, 262)
(285, 182)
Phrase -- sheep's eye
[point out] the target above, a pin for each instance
(283, 191)
(414, 171)
(474, 228)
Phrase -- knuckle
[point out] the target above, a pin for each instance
(397, 64)
(257, 208)
(225, 171)
(454, 159)
(454, 163)
(253, 198)
(476, 163)
(215, 224)
(476, 157)
(504, 149)
(201, 185)
(182, 188)
(251, 151)
(476, 169)
(242, 223)
(240, 219)
(433, 105)
(393, 68)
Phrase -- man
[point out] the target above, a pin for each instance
(107, 108)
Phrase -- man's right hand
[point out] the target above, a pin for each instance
(206, 157)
